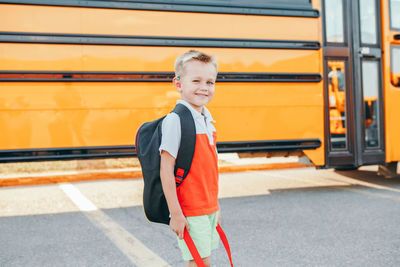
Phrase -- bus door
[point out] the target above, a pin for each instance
(353, 83)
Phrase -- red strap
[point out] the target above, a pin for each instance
(225, 242)
(178, 180)
(195, 253)
(192, 249)
(180, 172)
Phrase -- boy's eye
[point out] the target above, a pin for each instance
(210, 83)
(195, 81)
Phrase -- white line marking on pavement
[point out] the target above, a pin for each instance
(77, 197)
(135, 250)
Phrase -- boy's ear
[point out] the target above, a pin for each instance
(177, 84)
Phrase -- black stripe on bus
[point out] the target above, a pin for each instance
(181, 6)
(269, 146)
(97, 76)
(43, 154)
(132, 40)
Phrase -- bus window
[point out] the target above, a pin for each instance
(334, 21)
(394, 14)
(337, 105)
(370, 85)
(395, 73)
(368, 22)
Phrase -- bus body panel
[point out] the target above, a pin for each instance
(74, 20)
(60, 57)
(49, 114)
(391, 92)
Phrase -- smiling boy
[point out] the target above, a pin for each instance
(194, 204)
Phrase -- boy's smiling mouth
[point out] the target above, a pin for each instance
(200, 94)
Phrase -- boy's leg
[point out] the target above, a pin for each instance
(206, 261)
(204, 235)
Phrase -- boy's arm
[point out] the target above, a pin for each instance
(178, 221)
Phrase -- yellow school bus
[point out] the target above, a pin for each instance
(316, 78)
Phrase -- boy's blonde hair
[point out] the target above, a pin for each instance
(181, 61)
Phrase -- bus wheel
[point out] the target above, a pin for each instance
(389, 170)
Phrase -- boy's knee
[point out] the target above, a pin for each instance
(206, 261)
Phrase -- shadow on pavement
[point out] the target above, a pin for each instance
(370, 177)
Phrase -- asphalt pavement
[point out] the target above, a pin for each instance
(289, 217)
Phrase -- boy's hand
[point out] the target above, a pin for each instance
(178, 224)
(219, 218)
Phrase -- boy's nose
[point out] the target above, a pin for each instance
(204, 89)
(204, 86)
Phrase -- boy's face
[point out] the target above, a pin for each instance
(197, 84)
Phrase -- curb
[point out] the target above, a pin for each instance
(132, 174)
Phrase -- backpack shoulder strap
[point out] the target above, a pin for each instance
(188, 143)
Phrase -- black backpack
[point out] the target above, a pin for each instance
(148, 141)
